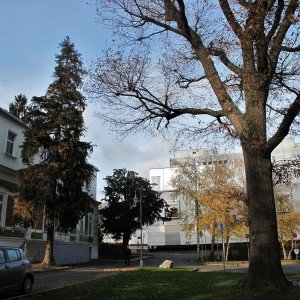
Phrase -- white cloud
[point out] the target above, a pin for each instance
(135, 153)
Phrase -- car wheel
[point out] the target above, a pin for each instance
(27, 286)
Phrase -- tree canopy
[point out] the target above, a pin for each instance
(120, 215)
(19, 107)
(57, 171)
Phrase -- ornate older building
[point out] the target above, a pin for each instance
(78, 245)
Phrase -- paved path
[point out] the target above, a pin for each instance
(186, 259)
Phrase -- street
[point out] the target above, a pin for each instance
(57, 279)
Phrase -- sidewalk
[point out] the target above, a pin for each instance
(116, 265)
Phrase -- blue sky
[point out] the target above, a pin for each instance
(30, 33)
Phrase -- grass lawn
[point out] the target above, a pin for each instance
(154, 283)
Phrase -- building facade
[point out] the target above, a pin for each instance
(11, 137)
(78, 245)
(172, 233)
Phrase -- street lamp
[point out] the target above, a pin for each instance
(222, 229)
(197, 216)
(136, 200)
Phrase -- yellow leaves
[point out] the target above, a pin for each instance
(26, 211)
(21, 208)
(287, 223)
(288, 219)
(218, 191)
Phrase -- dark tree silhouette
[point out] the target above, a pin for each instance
(57, 170)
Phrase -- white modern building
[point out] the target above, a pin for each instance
(172, 233)
(81, 244)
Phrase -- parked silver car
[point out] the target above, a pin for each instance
(15, 271)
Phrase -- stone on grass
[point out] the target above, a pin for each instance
(167, 264)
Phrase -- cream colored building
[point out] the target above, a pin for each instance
(83, 240)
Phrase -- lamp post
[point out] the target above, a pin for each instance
(222, 229)
(136, 200)
(197, 228)
(197, 216)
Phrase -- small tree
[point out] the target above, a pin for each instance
(57, 168)
(225, 205)
(219, 198)
(120, 217)
(288, 220)
(286, 173)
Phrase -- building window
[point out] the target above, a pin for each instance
(155, 180)
(90, 225)
(173, 211)
(1, 207)
(9, 220)
(10, 143)
(57, 224)
(81, 226)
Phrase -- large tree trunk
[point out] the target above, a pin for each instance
(265, 263)
(49, 256)
(126, 238)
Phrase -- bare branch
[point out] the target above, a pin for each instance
(281, 33)
(291, 49)
(282, 131)
(230, 18)
(185, 82)
(276, 21)
(224, 59)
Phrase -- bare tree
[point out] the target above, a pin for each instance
(235, 62)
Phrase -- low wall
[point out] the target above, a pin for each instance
(71, 253)
(63, 253)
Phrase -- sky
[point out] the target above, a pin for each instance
(30, 33)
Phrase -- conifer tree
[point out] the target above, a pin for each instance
(58, 170)
(19, 107)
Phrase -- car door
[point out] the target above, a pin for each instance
(16, 269)
(5, 280)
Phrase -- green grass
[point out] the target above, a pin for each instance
(154, 283)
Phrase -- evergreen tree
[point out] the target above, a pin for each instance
(121, 216)
(53, 139)
(19, 107)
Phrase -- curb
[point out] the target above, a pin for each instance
(195, 270)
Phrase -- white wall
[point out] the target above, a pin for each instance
(8, 123)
